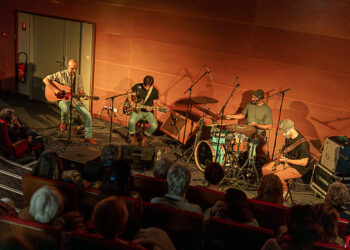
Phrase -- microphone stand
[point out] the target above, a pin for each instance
(222, 117)
(111, 118)
(279, 116)
(189, 103)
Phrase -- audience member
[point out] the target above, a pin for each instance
(161, 168)
(110, 217)
(338, 196)
(328, 219)
(16, 131)
(49, 166)
(46, 206)
(154, 238)
(235, 207)
(110, 153)
(179, 178)
(214, 173)
(271, 189)
(7, 207)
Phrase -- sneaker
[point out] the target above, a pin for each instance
(91, 141)
(63, 127)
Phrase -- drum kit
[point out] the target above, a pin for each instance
(228, 145)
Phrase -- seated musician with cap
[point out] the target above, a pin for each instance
(294, 158)
(258, 113)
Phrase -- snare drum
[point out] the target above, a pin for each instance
(205, 153)
(238, 142)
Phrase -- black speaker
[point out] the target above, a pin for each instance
(321, 179)
(139, 157)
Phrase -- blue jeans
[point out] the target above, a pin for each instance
(64, 106)
(149, 116)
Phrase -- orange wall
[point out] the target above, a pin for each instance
(270, 44)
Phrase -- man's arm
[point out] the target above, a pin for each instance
(50, 83)
(300, 162)
(260, 126)
(238, 116)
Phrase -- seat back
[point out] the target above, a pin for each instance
(268, 215)
(184, 228)
(225, 234)
(89, 197)
(32, 183)
(149, 187)
(92, 242)
(342, 228)
(37, 235)
(326, 246)
(204, 197)
(7, 145)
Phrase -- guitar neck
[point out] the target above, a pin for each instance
(141, 106)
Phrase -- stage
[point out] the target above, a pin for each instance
(45, 118)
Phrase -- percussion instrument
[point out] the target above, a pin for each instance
(206, 153)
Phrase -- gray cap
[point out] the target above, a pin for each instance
(285, 125)
(259, 93)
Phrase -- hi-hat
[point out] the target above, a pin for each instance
(208, 112)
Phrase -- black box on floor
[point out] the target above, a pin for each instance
(76, 158)
(322, 177)
(140, 157)
(336, 155)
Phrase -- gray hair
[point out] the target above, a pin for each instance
(338, 194)
(179, 178)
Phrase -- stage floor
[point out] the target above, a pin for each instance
(45, 118)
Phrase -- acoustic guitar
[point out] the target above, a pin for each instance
(52, 96)
(128, 108)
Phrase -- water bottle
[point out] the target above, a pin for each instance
(159, 154)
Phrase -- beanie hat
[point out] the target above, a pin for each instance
(259, 93)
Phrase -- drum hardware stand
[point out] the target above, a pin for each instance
(250, 164)
(111, 118)
(230, 177)
(198, 136)
(279, 116)
(236, 85)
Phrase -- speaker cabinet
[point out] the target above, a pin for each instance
(174, 126)
(78, 157)
(140, 157)
(336, 155)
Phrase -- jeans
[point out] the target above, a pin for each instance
(149, 116)
(64, 106)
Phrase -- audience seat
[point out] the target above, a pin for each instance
(268, 215)
(149, 187)
(79, 241)
(184, 228)
(204, 197)
(32, 183)
(88, 198)
(223, 234)
(37, 235)
(14, 149)
(342, 228)
(326, 246)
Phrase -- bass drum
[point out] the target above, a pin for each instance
(205, 153)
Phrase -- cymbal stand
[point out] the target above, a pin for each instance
(198, 136)
(231, 166)
(250, 165)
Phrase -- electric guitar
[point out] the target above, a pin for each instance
(65, 95)
(128, 108)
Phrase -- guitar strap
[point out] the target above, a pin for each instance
(148, 94)
(294, 145)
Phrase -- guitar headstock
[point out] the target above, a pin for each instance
(94, 98)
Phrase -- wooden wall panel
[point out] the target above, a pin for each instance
(325, 17)
(113, 48)
(193, 32)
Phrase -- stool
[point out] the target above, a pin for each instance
(290, 184)
(141, 126)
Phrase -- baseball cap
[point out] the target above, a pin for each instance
(259, 93)
(285, 125)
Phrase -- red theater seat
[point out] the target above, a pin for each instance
(149, 187)
(203, 197)
(10, 148)
(37, 235)
(92, 242)
(184, 228)
(268, 215)
(233, 235)
(32, 183)
(342, 227)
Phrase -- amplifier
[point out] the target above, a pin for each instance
(322, 177)
(336, 155)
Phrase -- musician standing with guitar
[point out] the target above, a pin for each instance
(147, 95)
(70, 77)
(294, 158)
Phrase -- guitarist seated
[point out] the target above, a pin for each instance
(70, 78)
(146, 94)
(293, 162)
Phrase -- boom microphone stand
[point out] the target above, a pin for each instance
(111, 118)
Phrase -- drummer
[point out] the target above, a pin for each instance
(258, 115)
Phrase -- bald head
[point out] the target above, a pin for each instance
(72, 66)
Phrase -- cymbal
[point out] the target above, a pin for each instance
(246, 129)
(196, 100)
(208, 112)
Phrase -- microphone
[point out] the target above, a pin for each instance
(173, 122)
(209, 73)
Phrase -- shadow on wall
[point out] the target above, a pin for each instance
(299, 113)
